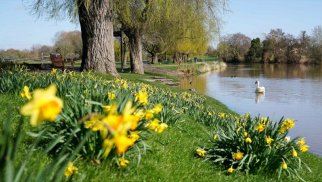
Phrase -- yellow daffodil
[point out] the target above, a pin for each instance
(134, 135)
(111, 95)
(238, 156)
(215, 137)
(301, 141)
(248, 140)
(122, 143)
(294, 153)
(92, 122)
(148, 114)
(302, 145)
(161, 128)
(70, 169)
(125, 85)
(304, 148)
(142, 97)
(201, 152)
(230, 170)
(152, 125)
(284, 165)
(53, 71)
(157, 109)
(263, 120)
(107, 147)
(45, 105)
(130, 119)
(245, 134)
(222, 115)
(269, 140)
(260, 128)
(286, 125)
(25, 93)
(123, 162)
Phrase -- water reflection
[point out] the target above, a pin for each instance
(259, 97)
(293, 91)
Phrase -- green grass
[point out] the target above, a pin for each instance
(172, 67)
(208, 58)
(171, 157)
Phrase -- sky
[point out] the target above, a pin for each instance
(255, 18)
(20, 29)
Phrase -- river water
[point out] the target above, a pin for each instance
(292, 91)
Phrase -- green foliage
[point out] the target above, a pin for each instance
(255, 51)
(255, 145)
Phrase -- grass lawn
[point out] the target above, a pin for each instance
(171, 157)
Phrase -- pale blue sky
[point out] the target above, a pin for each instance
(256, 17)
(19, 29)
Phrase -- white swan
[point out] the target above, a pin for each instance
(258, 88)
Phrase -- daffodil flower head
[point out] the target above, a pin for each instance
(248, 140)
(45, 105)
(294, 153)
(230, 170)
(157, 109)
(269, 140)
(26, 93)
(201, 152)
(286, 125)
(53, 71)
(161, 127)
(111, 95)
(222, 115)
(260, 128)
(142, 97)
(122, 143)
(238, 156)
(123, 162)
(284, 165)
(70, 169)
(134, 135)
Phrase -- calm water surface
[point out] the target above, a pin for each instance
(293, 91)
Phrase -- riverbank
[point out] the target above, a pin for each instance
(171, 154)
(185, 69)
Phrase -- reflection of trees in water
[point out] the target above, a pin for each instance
(273, 71)
(199, 83)
(292, 71)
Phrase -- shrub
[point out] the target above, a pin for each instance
(255, 145)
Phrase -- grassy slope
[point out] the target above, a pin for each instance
(171, 157)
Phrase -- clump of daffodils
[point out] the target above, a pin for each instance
(254, 145)
(119, 129)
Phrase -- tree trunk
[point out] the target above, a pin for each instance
(135, 44)
(97, 35)
(154, 58)
(123, 51)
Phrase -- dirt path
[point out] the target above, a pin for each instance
(150, 68)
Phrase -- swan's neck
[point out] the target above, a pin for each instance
(257, 84)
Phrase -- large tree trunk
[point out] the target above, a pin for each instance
(97, 35)
(154, 58)
(135, 44)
